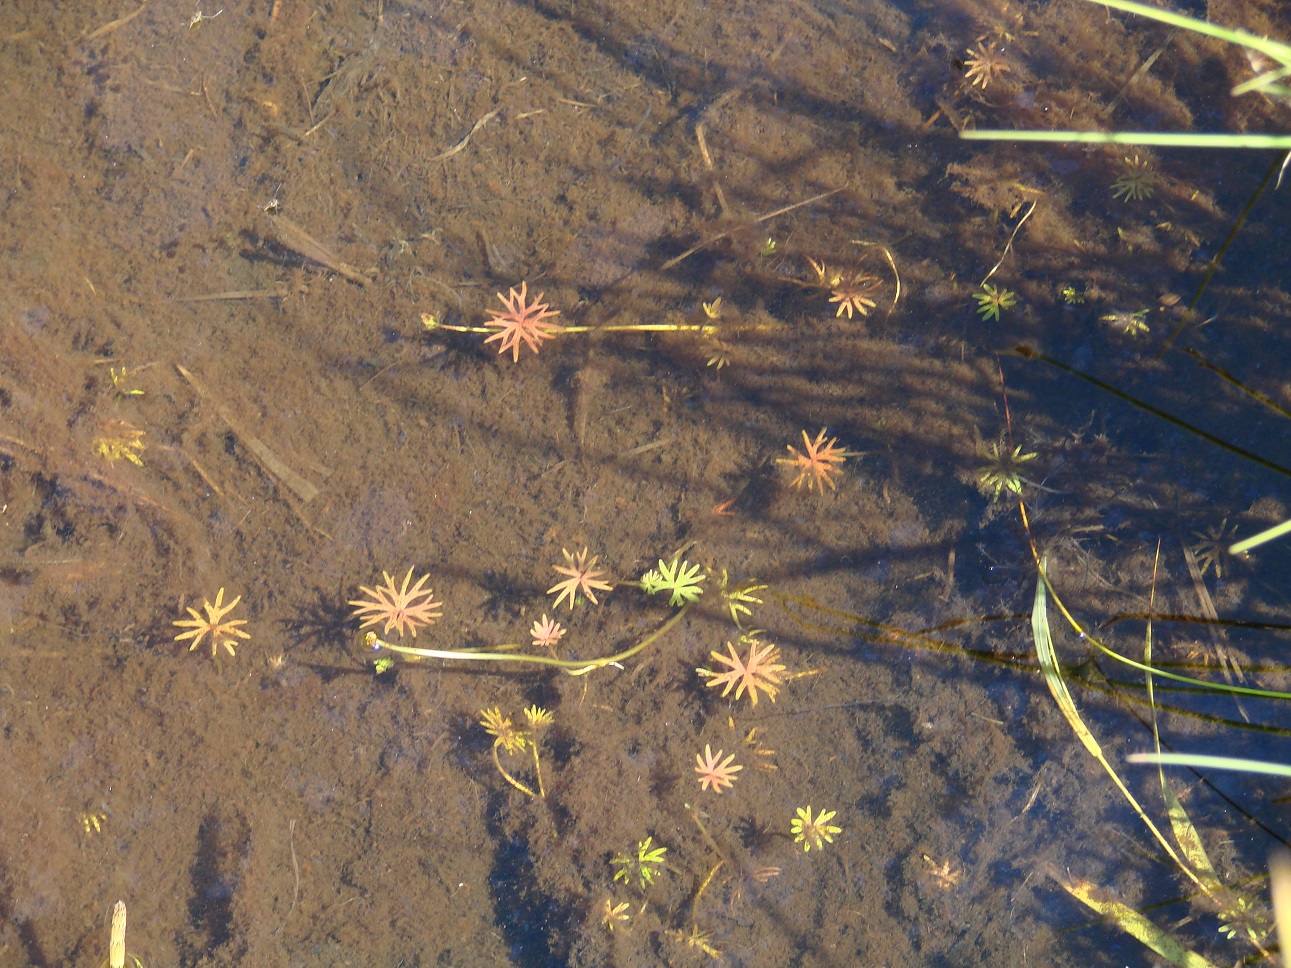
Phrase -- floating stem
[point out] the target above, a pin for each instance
(573, 667)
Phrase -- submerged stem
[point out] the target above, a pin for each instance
(573, 667)
(512, 780)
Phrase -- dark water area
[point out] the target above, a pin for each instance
(251, 258)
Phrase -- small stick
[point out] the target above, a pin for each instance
(467, 140)
(891, 262)
(266, 458)
(1009, 244)
(768, 216)
(302, 243)
(237, 294)
(295, 869)
(184, 164)
(107, 28)
(644, 448)
(708, 160)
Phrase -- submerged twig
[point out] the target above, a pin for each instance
(269, 461)
(892, 263)
(757, 221)
(112, 25)
(236, 294)
(461, 145)
(1008, 246)
(302, 243)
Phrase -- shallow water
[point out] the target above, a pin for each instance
(244, 218)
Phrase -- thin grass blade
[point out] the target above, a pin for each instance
(1132, 923)
(1204, 761)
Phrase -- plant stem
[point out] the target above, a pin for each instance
(574, 667)
(542, 791)
(508, 777)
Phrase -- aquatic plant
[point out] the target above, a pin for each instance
(817, 464)
(695, 939)
(613, 915)
(645, 866)
(119, 440)
(946, 875)
(118, 957)
(853, 291)
(714, 772)
(754, 746)
(398, 607)
(718, 350)
(583, 579)
(546, 633)
(92, 821)
(1129, 323)
(760, 671)
(680, 579)
(1001, 470)
(1277, 58)
(1136, 181)
(738, 597)
(515, 740)
(121, 383)
(1212, 547)
(807, 830)
(521, 321)
(991, 301)
(222, 632)
(984, 65)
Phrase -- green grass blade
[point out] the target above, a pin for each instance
(1160, 139)
(1205, 761)
(1187, 680)
(1190, 845)
(1132, 923)
(1280, 886)
(1255, 540)
(1277, 51)
(1185, 832)
(1062, 696)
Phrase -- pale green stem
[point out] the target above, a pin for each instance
(508, 777)
(704, 329)
(574, 667)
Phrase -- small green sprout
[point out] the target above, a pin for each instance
(612, 915)
(807, 830)
(680, 578)
(120, 440)
(1131, 324)
(696, 939)
(1244, 918)
(1072, 296)
(990, 301)
(738, 597)
(1001, 469)
(768, 248)
(120, 383)
(1137, 180)
(646, 864)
